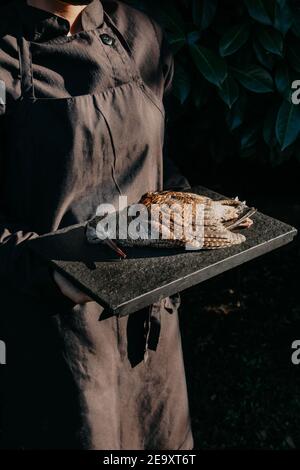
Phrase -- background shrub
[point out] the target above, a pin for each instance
(235, 64)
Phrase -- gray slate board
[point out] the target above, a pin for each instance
(149, 274)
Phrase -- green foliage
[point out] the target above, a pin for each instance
(235, 64)
(287, 124)
(209, 64)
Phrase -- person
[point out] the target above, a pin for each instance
(82, 123)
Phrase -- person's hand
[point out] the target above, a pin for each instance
(69, 290)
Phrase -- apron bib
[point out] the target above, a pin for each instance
(92, 148)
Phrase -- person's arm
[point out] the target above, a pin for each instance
(19, 267)
(173, 179)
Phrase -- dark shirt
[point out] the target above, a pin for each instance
(80, 64)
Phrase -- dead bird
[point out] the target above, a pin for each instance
(165, 216)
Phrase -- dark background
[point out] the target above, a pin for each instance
(232, 122)
(233, 129)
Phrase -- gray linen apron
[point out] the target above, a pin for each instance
(75, 379)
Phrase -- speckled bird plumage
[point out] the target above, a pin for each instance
(221, 219)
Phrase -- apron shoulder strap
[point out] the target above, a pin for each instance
(135, 74)
(25, 68)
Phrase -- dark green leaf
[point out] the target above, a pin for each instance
(243, 57)
(181, 83)
(264, 57)
(234, 39)
(261, 10)
(282, 79)
(270, 7)
(193, 37)
(229, 91)
(283, 17)
(209, 64)
(204, 12)
(279, 156)
(296, 23)
(294, 55)
(235, 116)
(254, 78)
(287, 124)
(249, 136)
(269, 126)
(169, 17)
(270, 39)
(176, 41)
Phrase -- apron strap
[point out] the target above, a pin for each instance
(27, 90)
(133, 70)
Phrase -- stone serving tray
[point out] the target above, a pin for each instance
(150, 274)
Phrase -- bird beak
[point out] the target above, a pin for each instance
(236, 223)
